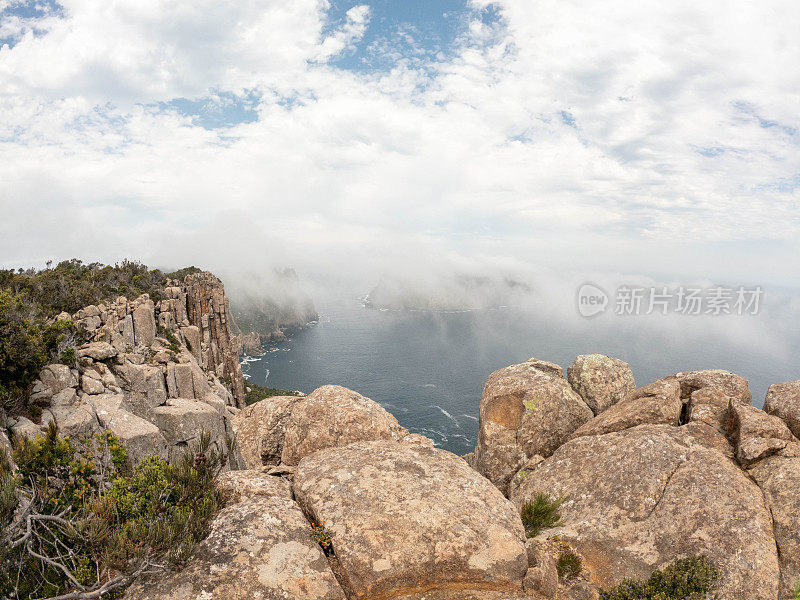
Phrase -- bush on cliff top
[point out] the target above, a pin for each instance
(255, 393)
(74, 519)
(690, 578)
(28, 343)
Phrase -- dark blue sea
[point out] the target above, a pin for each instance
(428, 369)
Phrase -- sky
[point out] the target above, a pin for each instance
(653, 139)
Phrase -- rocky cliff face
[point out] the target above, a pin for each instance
(681, 467)
(208, 309)
(157, 375)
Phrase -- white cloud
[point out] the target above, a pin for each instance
(655, 137)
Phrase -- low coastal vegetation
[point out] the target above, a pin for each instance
(77, 522)
(255, 393)
(691, 578)
(568, 565)
(540, 514)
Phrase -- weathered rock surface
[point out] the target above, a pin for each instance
(600, 380)
(209, 311)
(73, 421)
(639, 498)
(525, 410)
(783, 400)
(779, 479)
(140, 437)
(756, 433)
(335, 416)
(236, 486)
(97, 351)
(57, 377)
(143, 386)
(182, 421)
(408, 519)
(260, 547)
(542, 575)
(708, 394)
(656, 404)
(261, 428)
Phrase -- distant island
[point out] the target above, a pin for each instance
(459, 292)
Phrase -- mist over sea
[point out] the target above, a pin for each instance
(429, 368)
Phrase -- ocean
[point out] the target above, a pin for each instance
(428, 368)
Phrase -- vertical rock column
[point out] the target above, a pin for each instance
(207, 308)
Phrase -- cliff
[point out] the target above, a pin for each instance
(156, 374)
(268, 308)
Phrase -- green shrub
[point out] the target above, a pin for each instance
(91, 524)
(174, 342)
(797, 591)
(686, 579)
(256, 393)
(541, 514)
(322, 535)
(569, 565)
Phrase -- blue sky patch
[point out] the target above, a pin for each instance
(222, 109)
(415, 30)
(21, 16)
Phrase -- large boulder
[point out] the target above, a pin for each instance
(779, 479)
(143, 387)
(183, 421)
(755, 433)
(139, 437)
(97, 351)
(335, 416)
(600, 380)
(235, 486)
(73, 421)
(260, 547)
(783, 400)
(640, 498)
(408, 519)
(57, 378)
(659, 403)
(708, 395)
(261, 428)
(144, 323)
(22, 428)
(525, 410)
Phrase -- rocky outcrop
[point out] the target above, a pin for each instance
(600, 380)
(236, 486)
(260, 547)
(408, 519)
(248, 343)
(140, 437)
(207, 309)
(261, 428)
(526, 410)
(639, 498)
(756, 434)
(333, 416)
(146, 373)
(779, 479)
(657, 403)
(783, 400)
